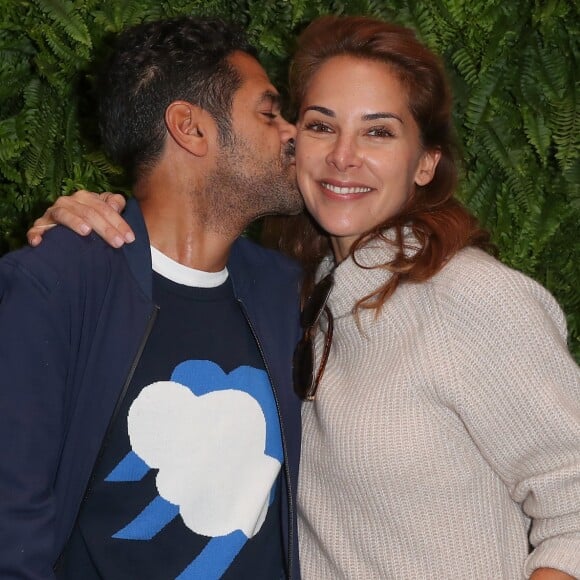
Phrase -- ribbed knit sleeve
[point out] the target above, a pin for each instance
(518, 392)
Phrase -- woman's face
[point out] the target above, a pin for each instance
(358, 152)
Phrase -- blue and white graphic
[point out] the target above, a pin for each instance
(215, 439)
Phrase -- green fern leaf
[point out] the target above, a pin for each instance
(537, 132)
(74, 57)
(63, 12)
(566, 124)
(478, 103)
(466, 65)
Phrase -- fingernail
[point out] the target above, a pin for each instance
(85, 229)
(118, 241)
(129, 237)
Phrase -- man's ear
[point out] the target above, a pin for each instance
(189, 126)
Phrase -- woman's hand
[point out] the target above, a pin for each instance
(83, 212)
(550, 574)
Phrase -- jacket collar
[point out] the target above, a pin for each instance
(138, 255)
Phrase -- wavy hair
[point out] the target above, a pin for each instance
(440, 223)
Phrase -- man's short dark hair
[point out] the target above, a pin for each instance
(156, 63)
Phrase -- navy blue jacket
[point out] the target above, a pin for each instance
(74, 317)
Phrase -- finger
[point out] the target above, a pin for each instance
(114, 200)
(73, 221)
(84, 212)
(97, 217)
(101, 214)
(34, 234)
(46, 226)
(41, 225)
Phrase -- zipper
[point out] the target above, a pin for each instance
(120, 399)
(284, 448)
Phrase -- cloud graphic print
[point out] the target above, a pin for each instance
(215, 440)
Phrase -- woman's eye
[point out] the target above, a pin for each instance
(317, 127)
(380, 132)
(270, 115)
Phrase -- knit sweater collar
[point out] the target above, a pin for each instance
(353, 281)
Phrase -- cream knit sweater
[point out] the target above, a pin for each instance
(443, 431)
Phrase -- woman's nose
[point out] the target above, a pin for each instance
(344, 153)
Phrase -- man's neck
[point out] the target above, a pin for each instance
(182, 234)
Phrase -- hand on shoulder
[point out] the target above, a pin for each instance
(83, 212)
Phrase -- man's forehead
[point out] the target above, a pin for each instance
(254, 77)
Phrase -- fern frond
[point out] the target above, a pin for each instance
(466, 65)
(64, 13)
(479, 190)
(537, 132)
(10, 145)
(75, 57)
(100, 161)
(551, 72)
(495, 146)
(566, 125)
(478, 103)
(41, 129)
(32, 94)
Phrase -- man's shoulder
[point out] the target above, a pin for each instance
(62, 254)
(264, 275)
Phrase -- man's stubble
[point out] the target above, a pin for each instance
(242, 188)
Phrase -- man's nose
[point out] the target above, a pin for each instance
(287, 131)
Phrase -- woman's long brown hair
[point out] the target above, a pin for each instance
(440, 223)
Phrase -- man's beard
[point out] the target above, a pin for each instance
(243, 188)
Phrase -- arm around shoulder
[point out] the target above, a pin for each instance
(83, 212)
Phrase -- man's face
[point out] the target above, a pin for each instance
(255, 173)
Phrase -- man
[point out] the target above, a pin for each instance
(149, 425)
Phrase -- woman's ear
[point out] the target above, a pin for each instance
(427, 166)
(188, 126)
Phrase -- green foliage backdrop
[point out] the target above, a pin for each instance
(514, 67)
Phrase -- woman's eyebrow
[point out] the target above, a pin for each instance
(322, 110)
(375, 116)
(366, 117)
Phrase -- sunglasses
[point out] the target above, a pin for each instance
(306, 381)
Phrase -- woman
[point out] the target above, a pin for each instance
(441, 422)
(446, 417)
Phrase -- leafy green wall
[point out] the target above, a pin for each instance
(514, 66)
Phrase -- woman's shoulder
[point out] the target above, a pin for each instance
(475, 284)
(475, 273)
